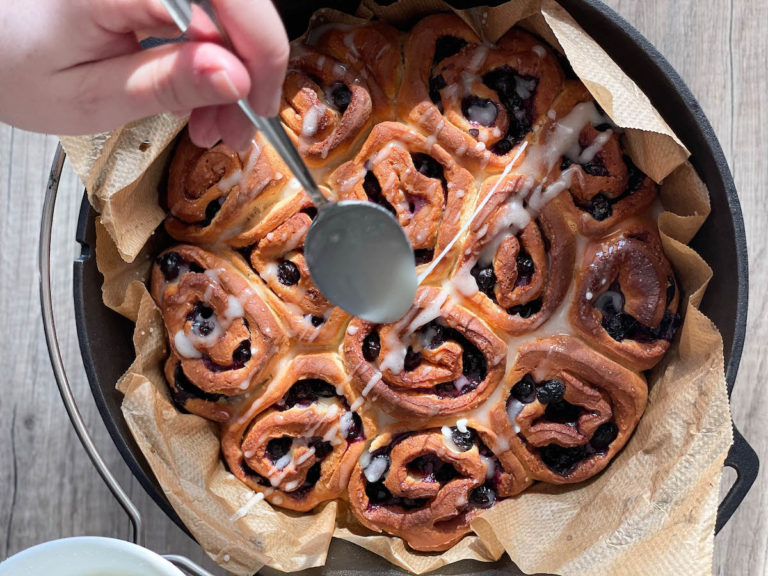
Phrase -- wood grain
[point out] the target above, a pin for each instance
(48, 488)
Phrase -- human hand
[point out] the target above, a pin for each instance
(75, 67)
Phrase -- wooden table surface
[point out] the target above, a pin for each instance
(48, 488)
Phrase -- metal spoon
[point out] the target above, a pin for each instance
(357, 254)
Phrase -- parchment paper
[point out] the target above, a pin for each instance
(651, 512)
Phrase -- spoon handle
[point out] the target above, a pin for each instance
(181, 12)
(273, 131)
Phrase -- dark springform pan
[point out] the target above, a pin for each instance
(106, 338)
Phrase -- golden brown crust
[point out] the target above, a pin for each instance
(220, 332)
(455, 360)
(276, 255)
(419, 182)
(326, 106)
(482, 102)
(567, 410)
(424, 488)
(373, 51)
(514, 271)
(215, 194)
(298, 442)
(627, 297)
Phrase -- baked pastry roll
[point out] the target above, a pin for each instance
(417, 181)
(298, 442)
(426, 486)
(515, 266)
(567, 410)
(479, 102)
(438, 359)
(217, 194)
(627, 297)
(224, 340)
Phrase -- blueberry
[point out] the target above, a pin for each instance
(474, 132)
(603, 436)
(310, 211)
(525, 269)
(439, 334)
(635, 176)
(474, 366)
(242, 353)
(377, 493)
(322, 448)
(288, 273)
(482, 497)
(211, 210)
(371, 346)
(428, 166)
(485, 278)
(550, 391)
(563, 412)
(373, 190)
(526, 310)
(502, 147)
(340, 96)
(201, 317)
(600, 207)
(170, 265)
(423, 256)
(412, 360)
(463, 440)
(278, 447)
(317, 321)
(447, 46)
(525, 390)
(305, 392)
(355, 431)
(481, 111)
(620, 326)
(562, 460)
(595, 167)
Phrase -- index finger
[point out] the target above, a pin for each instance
(259, 40)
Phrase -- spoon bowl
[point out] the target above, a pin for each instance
(361, 260)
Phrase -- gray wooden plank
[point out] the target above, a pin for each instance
(49, 489)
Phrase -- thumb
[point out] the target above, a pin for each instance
(170, 78)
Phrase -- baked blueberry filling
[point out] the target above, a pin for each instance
(423, 256)
(621, 326)
(306, 392)
(340, 96)
(431, 168)
(288, 274)
(600, 207)
(447, 46)
(429, 468)
(371, 346)
(211, 210)
(184, 390)
(516, 93)
(373, 190)
(478, 110)
(203, 322)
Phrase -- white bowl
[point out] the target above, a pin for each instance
(88, 556)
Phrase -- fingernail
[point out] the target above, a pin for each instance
(223, 85)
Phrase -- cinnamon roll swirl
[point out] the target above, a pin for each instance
(418, 182)
(223, 338)
(438, 359)
(215, 194)
(326, 106)
(567, 410)
(275, 252)
(516, 266)
(627, 297)
(426, 487)
(478, 102)
(298, 443)
(605, 186)
(373, 51)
